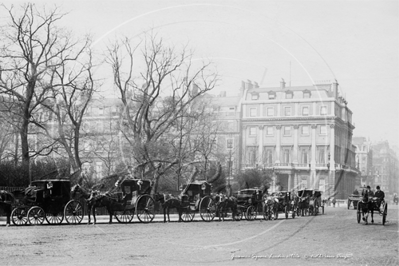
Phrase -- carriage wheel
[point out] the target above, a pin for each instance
(187, 215)
(358, 213)
(286, 212)
(384, 215)
(73, 212)
(145, 207)
(36, 215)
(54, 217)
(207, 208)
(19, 216)
(125, 216)
(251, 213)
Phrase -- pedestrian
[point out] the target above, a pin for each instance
(334, 201)
(379, 195)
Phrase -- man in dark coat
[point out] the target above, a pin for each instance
(380, 195)
(369, 192)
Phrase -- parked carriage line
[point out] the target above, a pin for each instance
(55, 201)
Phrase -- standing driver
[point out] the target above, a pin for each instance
(379, 195)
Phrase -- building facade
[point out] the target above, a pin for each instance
(364, 161)
(385, 171)
(303, 134)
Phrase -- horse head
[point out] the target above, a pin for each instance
(365, 198)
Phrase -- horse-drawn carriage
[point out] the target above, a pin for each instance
(196, 197)
(133, 196)
(284, 202)
(309, 202)
(366, 205)
(48, 200)
(249, 203)
(353, 199)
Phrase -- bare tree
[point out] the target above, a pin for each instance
(33, 48)
(155, 97)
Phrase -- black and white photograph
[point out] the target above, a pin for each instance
(199, 132)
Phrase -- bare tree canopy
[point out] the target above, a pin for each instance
(33, 50)
(156, 96)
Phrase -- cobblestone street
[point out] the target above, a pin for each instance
(330, 239)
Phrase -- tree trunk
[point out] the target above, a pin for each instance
(217, 174)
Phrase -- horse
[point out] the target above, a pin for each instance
(77, 189)
(269, 206)
(225, 203)
(102, 200)
(366, 205)
(169, 202)
(303, 205)
(6, 199)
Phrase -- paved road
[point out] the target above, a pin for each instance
(334, 238)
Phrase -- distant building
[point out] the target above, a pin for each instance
(364, 161)
(303, 134)
(385, 167)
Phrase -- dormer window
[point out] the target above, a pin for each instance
(254, 96)
(306, 94)
(289, 95)
(272, 95)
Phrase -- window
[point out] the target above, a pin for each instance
(252, 131)
(251, 155)
(287, 111)
(323, 130)
(270, 111)
(269, 131)
(306, 94)
(304, 156)
(229, 143)
(287, 131)
(272, 96)
(288, 95)
(322, 156)
(286, 156)
(323, 110)
(305, 110)
(305, 130)
(304, 183)
(269, 156)
(232, 108)
(254, 96)
(252, 112)
(100, 111)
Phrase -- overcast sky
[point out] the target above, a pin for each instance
(355, 42)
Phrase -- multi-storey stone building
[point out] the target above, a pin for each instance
(385, 168)
(303, 134)
(364, 161)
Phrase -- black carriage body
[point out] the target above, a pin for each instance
(310, 199)
(196, 196)
(52, 194)
(131, 189)
(250, 196)
(197, 190)
(283, 200)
